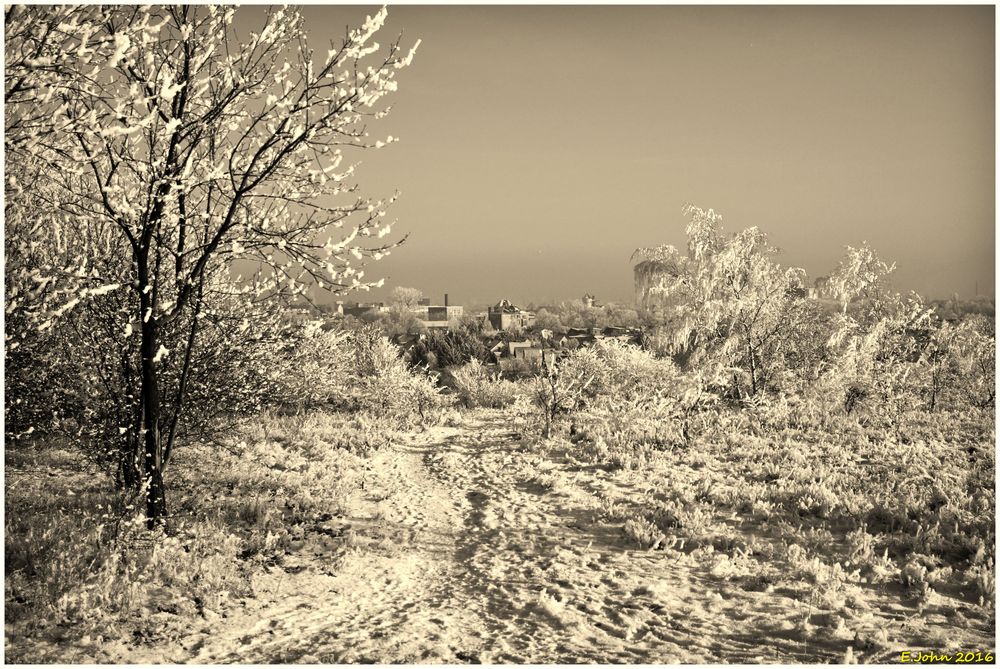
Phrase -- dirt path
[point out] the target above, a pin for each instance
(465, 554)
(462, 547)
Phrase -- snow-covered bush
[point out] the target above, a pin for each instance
(385, 385)
(622, 370)
(312, 367)
(559, 388)
(479, 387)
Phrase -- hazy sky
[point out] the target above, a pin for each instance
(542, 145)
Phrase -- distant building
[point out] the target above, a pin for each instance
(299, 313)
(590, 301)
(622, 334)
(513, 350)
(505, 316)
(438, 316)
(514, 347)
(528, 353)
(358, 309)
(497, 348)
(578, 337)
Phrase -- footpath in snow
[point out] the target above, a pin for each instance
(462, 546)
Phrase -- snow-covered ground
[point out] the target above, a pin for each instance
(464, 545)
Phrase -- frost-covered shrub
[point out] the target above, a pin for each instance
(358, 369)
(627, 434)
(816, 499)
(621, 370)
(478, 387)
(559, 388)
(875, 363)
(312, 368)
(386, 386)
(644, 533)
(636, 403)
(958, 365)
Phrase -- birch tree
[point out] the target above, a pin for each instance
(216, 163)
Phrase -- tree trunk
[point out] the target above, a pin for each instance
(129, 474)
(129, 465)
(152, 456)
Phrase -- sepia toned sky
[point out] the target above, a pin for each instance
(542, 145)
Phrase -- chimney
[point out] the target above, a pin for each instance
(446, 299)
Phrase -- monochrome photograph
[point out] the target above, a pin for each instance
(499, 334)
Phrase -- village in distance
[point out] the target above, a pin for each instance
(515, 341)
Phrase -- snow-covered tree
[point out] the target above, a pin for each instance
(407, 297)
(214, 165)
(727, 300)
(52, 258)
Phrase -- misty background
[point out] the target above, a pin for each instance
(541, 145)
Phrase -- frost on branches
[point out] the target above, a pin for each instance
(742, 328)
(726, 301)
(861, 275)
(164, 157)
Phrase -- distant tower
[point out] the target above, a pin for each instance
(588, 300)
